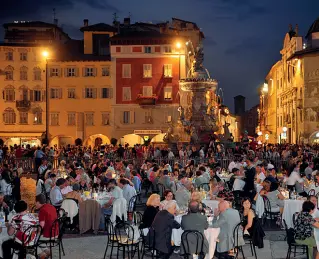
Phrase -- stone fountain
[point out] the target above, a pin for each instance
(197, 120)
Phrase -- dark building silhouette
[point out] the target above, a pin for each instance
(239, 105)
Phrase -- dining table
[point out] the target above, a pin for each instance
(210, 233)
(290, 208)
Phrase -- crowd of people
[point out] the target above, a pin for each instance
(114, 170)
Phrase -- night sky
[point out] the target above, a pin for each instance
(243, 37)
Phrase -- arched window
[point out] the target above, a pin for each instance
(24, 73)
(37, 74)
(9, 116)
(37, 113)
(9, 72)
(9, 93)
(24, 93)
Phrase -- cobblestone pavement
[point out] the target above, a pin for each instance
(93, 247)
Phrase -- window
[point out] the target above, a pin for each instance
(106, 93)
(148, 117)
(9, 56)
(37, 117)
(147, 91)
(126, 71)
(23, 73)
(126, 49)
(9, 94)
(54, 72)
(37, 96)
(71, 93)
(168, 93)
(89, 71)
(105, 118)
(90, 93)
(106, 71)
(147, 49)
(56, 93)
(70, 72)
(37, 74)
(9, 116)
(23, 56)
(167, 49)
(9, 72)
(126, 93)
(89, 119)
(147, 70)
(71, 119)
(169, 118)
(126, 117)
(54, 118)
(168, 70)
(23, 118)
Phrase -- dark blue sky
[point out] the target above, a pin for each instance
(243, 37)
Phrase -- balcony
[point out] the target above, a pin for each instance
(23, 105)
(147, 100)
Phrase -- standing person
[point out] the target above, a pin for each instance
(249, 188)
(38, 156)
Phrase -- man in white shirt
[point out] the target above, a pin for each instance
(233, 164)
(128, 191)
(260, 175)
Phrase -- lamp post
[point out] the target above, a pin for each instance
(45, 54)
(178, 46)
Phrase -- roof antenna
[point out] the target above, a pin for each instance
(55, 20)
(54, 13)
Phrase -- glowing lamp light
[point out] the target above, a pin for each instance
(317, 135)
(265, 88)
(259, 133)
(259, 142)
(45, 54)
(267, 136)
(284, 129)
(178, 45)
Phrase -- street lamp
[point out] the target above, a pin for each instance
(45, 54)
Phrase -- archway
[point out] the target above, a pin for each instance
(314, 138)
(131, 139)
(62, 141)
(158, 138)
(97, 140)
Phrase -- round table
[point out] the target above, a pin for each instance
(291, 207)
(213, 204)
(211, 235)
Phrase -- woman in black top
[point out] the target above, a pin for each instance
(151, 210)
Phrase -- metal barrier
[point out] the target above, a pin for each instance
(29, 164)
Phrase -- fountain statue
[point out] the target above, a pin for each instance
(201, 122)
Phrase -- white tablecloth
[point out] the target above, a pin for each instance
(211, 235)
(213, 204)
(291, 207)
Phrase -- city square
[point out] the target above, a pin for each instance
(159, 130)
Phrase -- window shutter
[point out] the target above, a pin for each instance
(111, 93)
(122, 117)
(132, 117)
(60, 72)
(100, 93)
(31, 95)
(83, 71)
(94, 71)
(83, 92)
(43, 97)
(60, 93)
(76, 71)
(65, 72)
(94, 92)
(3, 95)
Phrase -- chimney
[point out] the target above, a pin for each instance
(290, 27)
(85, 22)
(55, 21)
(296, 29)
(127, 21)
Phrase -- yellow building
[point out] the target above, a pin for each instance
(294, 80)
(78, 88)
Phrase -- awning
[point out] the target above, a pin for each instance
(21, 134)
